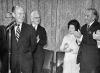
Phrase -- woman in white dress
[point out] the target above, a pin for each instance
(70, 47)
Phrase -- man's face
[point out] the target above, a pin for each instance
(89, 16)
(35, 18)
(19, 15)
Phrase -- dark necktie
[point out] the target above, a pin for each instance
(88, 27)
(17, 32)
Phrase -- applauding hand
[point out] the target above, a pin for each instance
(77, 34)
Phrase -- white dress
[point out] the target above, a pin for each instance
(70, 65)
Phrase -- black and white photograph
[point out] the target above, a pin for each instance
(49, 36)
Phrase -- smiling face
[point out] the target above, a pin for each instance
(71, 29)
(89, 16)
(35, 18)
(19, 14)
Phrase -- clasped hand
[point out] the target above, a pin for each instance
(66, 48)
(77, 34)
(96, 35)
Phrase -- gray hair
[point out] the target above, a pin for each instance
(94, 11)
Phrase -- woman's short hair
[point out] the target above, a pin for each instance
(75, 23)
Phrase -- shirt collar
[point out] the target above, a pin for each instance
(35, 26)
(20, 26)
(91, 23)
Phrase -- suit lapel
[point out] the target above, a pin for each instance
(37, 31)
(93, 25)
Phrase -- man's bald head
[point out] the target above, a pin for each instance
(35, 17)
(35, 14)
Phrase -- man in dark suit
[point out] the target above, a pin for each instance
(4, 42)
(88, 55)
(38, 54)
(3, 50)
(23, 42)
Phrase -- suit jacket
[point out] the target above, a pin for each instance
(41, 33)
(21, 51)
(3, 42)
(3, 50)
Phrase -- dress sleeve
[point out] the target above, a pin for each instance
(75, 49)
(79, 40)
(63, 44)
(74, 46)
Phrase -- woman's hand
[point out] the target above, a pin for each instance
(77, 34)
(66, 46)
(68, 50)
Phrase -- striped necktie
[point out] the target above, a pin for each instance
(17, 32)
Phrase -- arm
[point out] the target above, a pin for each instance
(64, 44)
(80, 49)
(42, 38)
(78, 36)
(79, 40)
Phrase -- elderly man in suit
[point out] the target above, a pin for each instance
(23, 42)
(88, 55)
(3, 50)
(38, 55)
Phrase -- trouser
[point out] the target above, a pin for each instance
(38, 64)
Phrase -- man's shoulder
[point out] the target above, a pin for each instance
(96, 23)
(41, 27)
(84, 26)
(26, 24)
(2, 28)
(28, 27)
